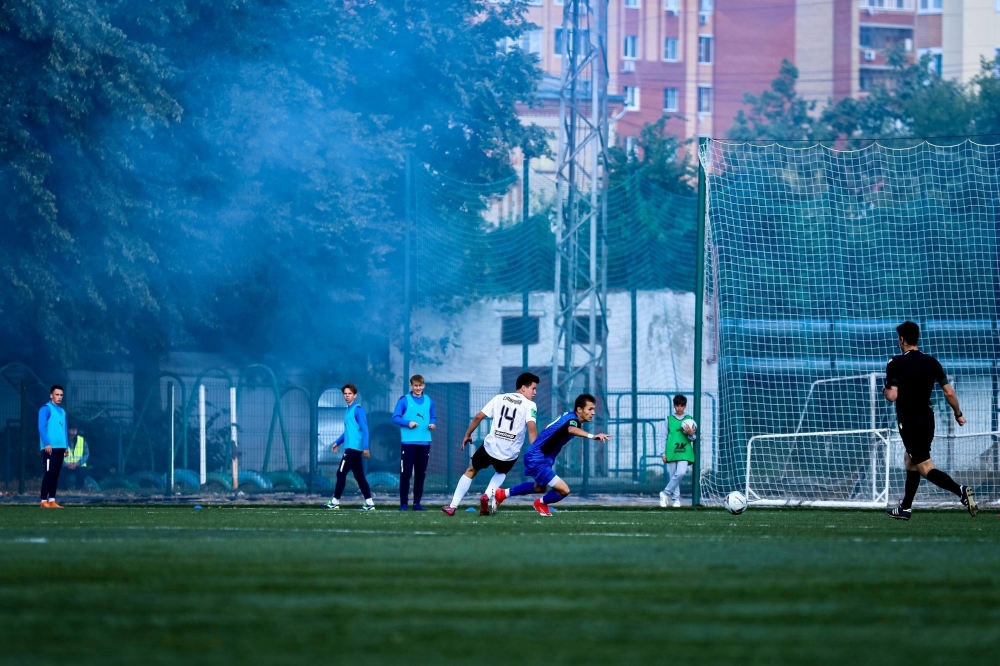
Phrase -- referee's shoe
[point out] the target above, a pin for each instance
(968, 501)
(899, 513)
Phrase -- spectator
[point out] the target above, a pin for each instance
(76, 458)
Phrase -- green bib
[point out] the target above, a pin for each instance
(679, 447)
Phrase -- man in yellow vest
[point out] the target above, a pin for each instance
(76, 458)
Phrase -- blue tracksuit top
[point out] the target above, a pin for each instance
(401, 417)
(52, 427)
(355, 429)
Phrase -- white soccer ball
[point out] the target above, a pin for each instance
(736, 503)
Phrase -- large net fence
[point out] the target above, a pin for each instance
(813, 257)
(484, 311)
(482, 298)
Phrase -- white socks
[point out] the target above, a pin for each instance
(370, 502)
(464, 483)
(335, 501)
(495, 482)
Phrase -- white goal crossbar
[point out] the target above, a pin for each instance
(778, 474)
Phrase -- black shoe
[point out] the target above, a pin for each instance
(968, 501)
(899, 513)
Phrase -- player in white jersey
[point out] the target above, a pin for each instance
(512, 414)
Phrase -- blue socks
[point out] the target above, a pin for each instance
(525, 488)
(528, 487)
(551, 497)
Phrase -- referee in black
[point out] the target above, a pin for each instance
(909, 380)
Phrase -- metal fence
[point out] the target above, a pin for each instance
(186, 427)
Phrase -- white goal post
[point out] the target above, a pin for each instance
(860, 468)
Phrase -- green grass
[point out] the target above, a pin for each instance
(170, 585)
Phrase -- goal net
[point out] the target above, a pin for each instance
(813, 257)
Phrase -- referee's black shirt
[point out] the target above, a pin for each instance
(913, 374)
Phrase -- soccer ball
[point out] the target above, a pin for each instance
(689, 427)
(736, 503)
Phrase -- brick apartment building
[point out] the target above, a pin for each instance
(693, 60)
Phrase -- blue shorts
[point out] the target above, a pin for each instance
(540, 469)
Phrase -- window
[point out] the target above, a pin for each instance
(631, 98)
(887, 4)
(630, 46)
(704, 99)
(930, 6)
(581, 330)
(531, 41)
(670, 6)
(631, 4)
(706, 46)
(670, 99)
(935, 59)
(879, 37)
(520, 331)
(670, 49)
(706, 6)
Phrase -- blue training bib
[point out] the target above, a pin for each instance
(421, 415)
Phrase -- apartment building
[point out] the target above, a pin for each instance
(970, 31)
(693, 60)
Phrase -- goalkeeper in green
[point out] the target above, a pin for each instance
(679, 451)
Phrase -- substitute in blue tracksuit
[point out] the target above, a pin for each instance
(355, 441)
(414, 414)
(54, 444)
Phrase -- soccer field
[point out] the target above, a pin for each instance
(171, 585)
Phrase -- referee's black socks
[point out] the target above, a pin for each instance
(912, 483)
(942, 480)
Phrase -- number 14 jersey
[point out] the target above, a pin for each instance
(510, 413)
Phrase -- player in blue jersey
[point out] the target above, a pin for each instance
(540, 459)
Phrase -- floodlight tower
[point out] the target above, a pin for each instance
(581, 208)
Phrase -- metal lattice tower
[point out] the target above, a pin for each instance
(581, 208)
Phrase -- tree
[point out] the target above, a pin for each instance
(911, 103)
(662, 158)
(228, 176)
(778, 113)
(651, 234)
(914, 101)
(77, 95)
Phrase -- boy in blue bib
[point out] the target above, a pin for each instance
(356, 448)
(415, 416)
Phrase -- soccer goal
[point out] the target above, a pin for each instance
(812, 256)
(861, 468)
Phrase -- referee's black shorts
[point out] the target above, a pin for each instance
(917, 437)
(481, 460)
